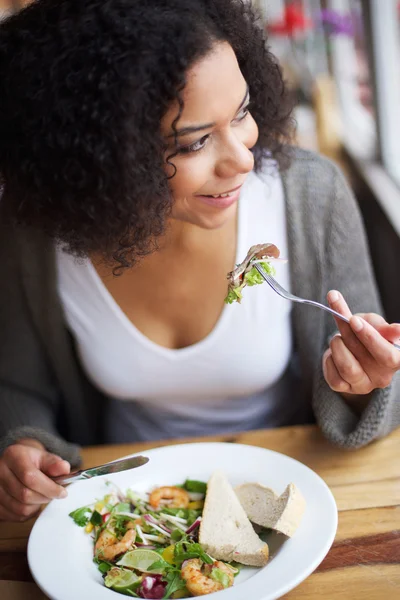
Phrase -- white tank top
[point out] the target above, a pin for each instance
(231, 380)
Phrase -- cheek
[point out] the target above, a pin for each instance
(191, 175)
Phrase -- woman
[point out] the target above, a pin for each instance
(148, 140)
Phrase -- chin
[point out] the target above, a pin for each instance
(211, 220)
(212, 224)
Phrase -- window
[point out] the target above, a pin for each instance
(352, 71)
(385, 42)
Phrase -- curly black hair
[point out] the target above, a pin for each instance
(85, 84)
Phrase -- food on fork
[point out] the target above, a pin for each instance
(246, 274)
(263, 507)
(225, 530)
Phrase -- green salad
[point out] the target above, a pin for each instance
(245, 273)
(147, 546)
(249, 278)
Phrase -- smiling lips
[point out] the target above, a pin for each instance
(222, 200)
(225, 194)
(221, 195)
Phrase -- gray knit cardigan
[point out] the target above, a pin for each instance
(44, 393)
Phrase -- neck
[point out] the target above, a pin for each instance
(181, 236)
(184, 239)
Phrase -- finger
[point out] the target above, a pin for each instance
(382, 351)
(54, 465)
(373, 319)
(332, 376)
(19, 492)
(6, 515)
(337, 302)
(31, 477)
(19, 509)
(348, 367)
(390, 331)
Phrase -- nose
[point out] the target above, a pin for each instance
(235, 159)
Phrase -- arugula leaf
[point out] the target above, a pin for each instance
(192, 485)
(186, 550)
(80, 515)
(119, 524)
(175, 583)
(177, 535)
(159, 564)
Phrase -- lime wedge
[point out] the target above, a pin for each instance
(140, 559)
(120, 580)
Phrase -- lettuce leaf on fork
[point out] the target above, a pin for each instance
(246, 274)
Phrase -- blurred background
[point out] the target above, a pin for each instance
(340, 58)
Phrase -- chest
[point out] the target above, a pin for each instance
(176, 304)
(246, 351)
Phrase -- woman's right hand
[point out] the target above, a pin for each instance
(24, 482)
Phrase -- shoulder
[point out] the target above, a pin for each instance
(13, 237)
(23, 249)
(306, 174)
(310, 167)
(314, 183)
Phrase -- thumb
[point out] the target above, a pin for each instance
(54, 465)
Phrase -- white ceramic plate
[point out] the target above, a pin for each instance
(60, 553)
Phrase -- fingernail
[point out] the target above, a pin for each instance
(357, 323)
(63, 493)
(333, 296)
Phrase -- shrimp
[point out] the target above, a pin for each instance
(198, 577)
(173, 497)
(108, 547)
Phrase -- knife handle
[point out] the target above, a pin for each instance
(70, 478)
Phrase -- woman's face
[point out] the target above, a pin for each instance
(215, 134)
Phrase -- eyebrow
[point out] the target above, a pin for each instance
(193, 129)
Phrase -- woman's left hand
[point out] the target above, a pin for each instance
(361, 357)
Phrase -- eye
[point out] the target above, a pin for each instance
(195, 147)
(242, 114)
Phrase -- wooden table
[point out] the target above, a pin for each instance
(364, 561)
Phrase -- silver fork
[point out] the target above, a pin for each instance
(285, 294)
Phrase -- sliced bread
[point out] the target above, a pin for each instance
(225, 531)
(263, 507)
